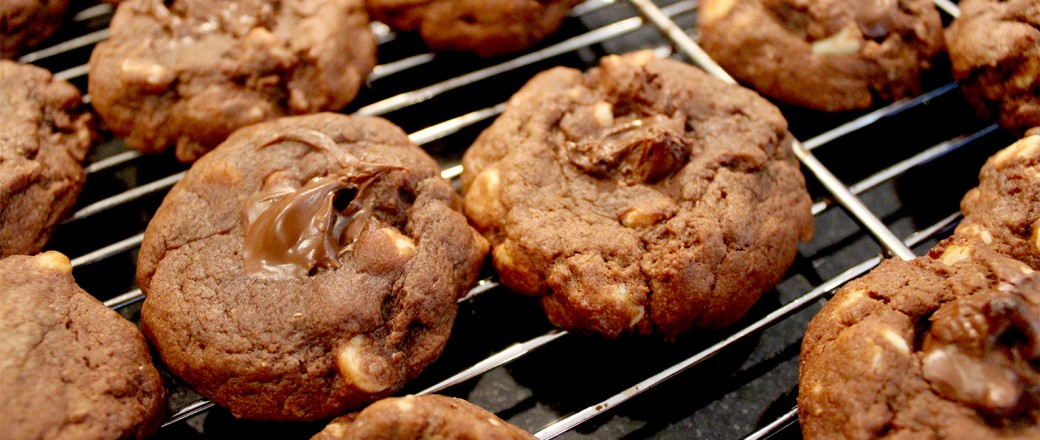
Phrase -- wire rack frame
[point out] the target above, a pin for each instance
(662, 18)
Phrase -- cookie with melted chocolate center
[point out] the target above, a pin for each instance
(307, 266)
(26, 23)
(996, 59)
(643, 196)
(1004, 210)
(187, 73)
(70, 368)
(944, 346)
(421, 417)
(485, 27)
(828, 55)
(45, 133)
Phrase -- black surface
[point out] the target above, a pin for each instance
(746, 386)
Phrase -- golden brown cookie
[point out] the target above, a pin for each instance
(187, 73)
(829, 55)
(70, 368)
(306, 266)
(421, 417)
(641, 196)
(942, 347)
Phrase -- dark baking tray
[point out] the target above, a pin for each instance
(928, 152)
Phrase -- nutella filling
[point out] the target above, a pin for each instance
(291, 232)
(639, 149)
(983, 351)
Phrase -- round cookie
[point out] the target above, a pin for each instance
(45, 133)
(421, 417)
(187, 73)
(996, 59)
(306, 266)
(486, 27)
(70, 367)
(26, 23)
(1004, 210)
(828, 55)
(642, 196)
(944, 346)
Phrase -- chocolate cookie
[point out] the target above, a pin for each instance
(829, 55)
(45, 133)
(26, 23)
(70, 367)
(1004, 210)
(486, 27)
(421, 417)
(189, 72)
(306, 266)
(996, 59)
(944, 346)
(641, 196)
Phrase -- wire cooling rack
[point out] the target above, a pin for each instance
(885, 182)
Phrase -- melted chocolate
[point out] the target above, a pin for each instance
(290, 232)
(638, 149)
(982, 351)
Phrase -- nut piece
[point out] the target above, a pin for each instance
(53, 260)
(147, 75)
(363, 369)
(955, 254)
(603, 112)
(712, 10)
(845, 42)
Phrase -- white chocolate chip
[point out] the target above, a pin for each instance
(875, 361)
(1036, 235)
(897, 341)
(641, 58)
(493, 422)
(54, 261)
(851, 298)
(335, 430)
(603, 113)
(514, 272)
(151, 75)
(366, 371)
(404, 244)
(844, 42)
(636, 218)
(955, 254)
(620, 293)
(404, 405)
(712, 10)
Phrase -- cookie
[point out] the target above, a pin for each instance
(421, 417)
(944, 346)
(996, 59)
(306, 266)
(70, 367)
(641, 196)
(26, 23)
(45, 133)
(485, 27)
(828, 55)
(1004, 210)
(187, 73)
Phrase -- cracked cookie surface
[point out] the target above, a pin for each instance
(828, 55)
(187, 73)
(306, 266)
(70, 367)
(45, 133)
(996, 59)
(944, 346)
(1004, 210)
(421, 417)
(486, 27)
(643, 196)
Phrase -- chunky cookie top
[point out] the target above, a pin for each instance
(187, 73)
(945, 346)
(641, 196)
(305, 267)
